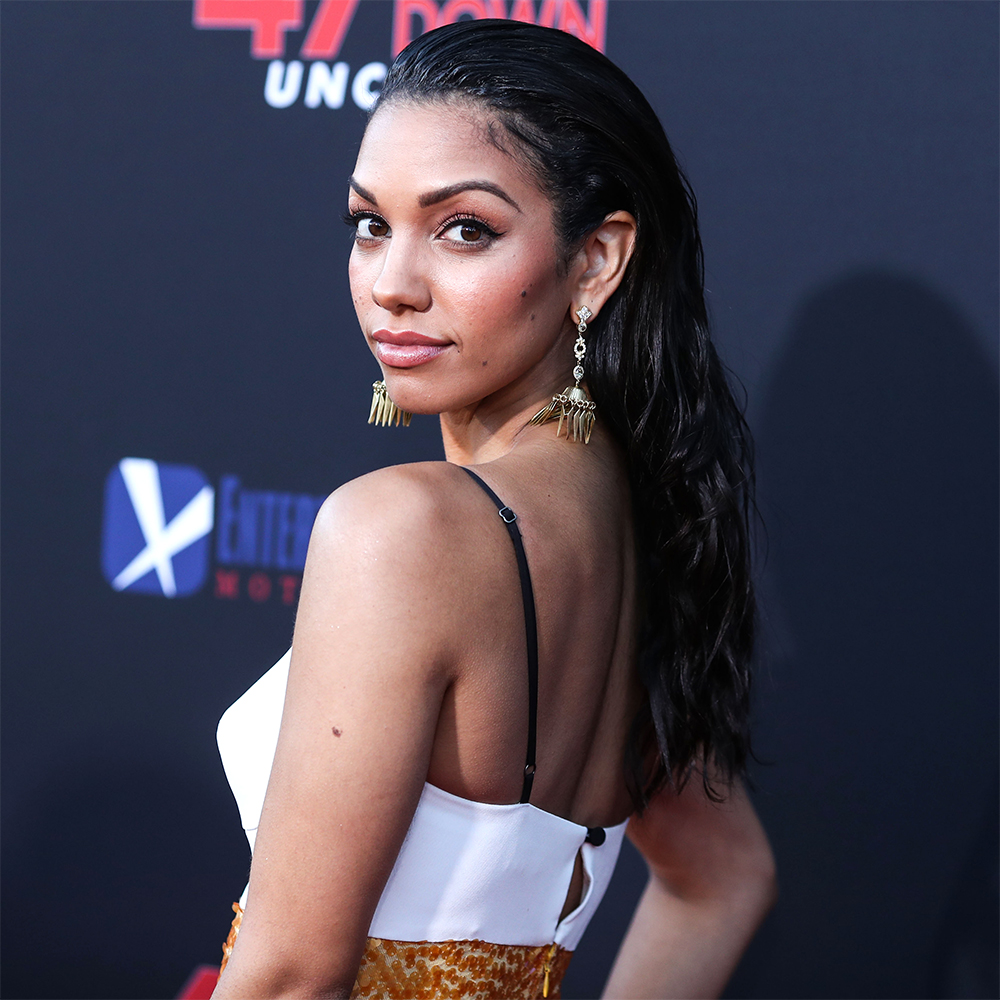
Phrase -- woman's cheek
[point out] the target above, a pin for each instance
(358, 279)
(495, 293)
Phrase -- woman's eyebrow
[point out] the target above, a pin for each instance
(367, 195)
(442, 194)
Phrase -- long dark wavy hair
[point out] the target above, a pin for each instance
(597, 146)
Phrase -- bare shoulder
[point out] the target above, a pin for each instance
(402, 516)
(392, 553)
(424, 484)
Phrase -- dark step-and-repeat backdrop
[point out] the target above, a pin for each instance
(184, 381)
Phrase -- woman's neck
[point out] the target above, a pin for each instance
(482, 433)
(492, 427)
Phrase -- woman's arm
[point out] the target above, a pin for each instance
(711, 883)
(368, 674)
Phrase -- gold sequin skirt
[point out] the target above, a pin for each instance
(427, 970)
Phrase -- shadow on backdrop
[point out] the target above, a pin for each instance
(114, 894)
(965, 962)
(878, 484)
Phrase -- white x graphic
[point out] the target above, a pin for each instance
(142, 480)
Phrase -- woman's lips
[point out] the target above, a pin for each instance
(406, 350)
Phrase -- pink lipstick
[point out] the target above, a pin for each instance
(406, 349)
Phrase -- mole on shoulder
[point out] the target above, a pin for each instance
(525, 292)
(336, 731)
(485, 363)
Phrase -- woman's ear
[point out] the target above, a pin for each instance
(604, 257)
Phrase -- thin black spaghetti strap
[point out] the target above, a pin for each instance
(530, 627)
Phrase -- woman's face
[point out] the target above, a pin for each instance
(455, 272)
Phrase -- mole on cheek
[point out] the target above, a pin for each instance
(336, 731)
(485, 363)
(532, 317)
(525, 292)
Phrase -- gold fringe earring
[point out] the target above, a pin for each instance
(384, 411)
(573, 406)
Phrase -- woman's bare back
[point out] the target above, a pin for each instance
(572, 509)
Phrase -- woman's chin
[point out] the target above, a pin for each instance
(420, 411)
(407, 397)
(412, 403)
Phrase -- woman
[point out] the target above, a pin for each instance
(475, 706)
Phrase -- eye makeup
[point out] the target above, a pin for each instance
(470, 229)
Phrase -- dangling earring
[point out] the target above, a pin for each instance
(384, 411)
(573, 405)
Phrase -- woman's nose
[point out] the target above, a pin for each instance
(402, 282)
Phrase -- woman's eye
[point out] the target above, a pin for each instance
(370, 227)
(468, 231)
